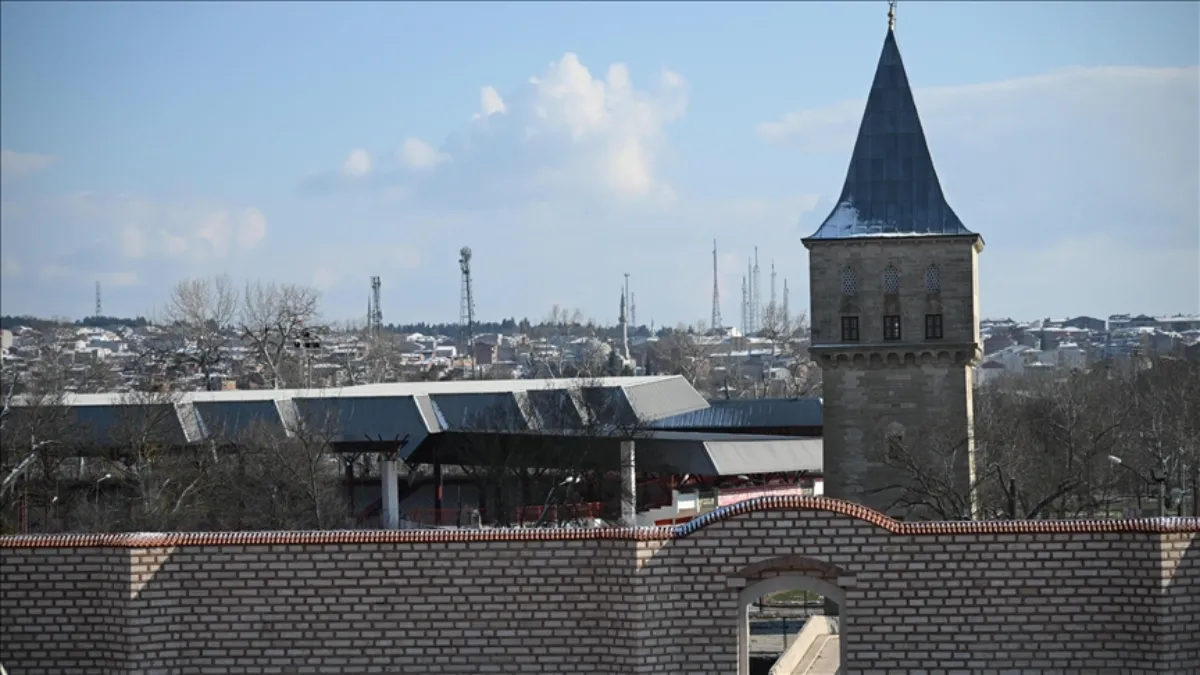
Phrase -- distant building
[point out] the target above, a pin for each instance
(485, 353)
(1086, 323)
(1118, 321)
(1180, 323)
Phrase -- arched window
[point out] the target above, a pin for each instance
(933, 279)
(891, 280)
(849, 282)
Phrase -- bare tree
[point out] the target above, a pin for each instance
(33, 430)
(552, 450)
(155, 479)
(274, 478)
(272, 317)
(1057, 445)
(682, 351)
(197, 316)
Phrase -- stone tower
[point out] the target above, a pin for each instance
(895, 323)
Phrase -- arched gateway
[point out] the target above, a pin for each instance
(787, 573)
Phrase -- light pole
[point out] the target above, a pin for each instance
(306, 343)
(1158, 476)
(569, 480)
(96, 489)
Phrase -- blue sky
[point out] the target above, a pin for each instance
(570, 143)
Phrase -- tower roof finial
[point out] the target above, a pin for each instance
(891, 14)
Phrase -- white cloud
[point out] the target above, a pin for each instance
(253, 228)
(14, 164)
(1102, 160)
(406, 258)
(111, 280)
(10, 266)
(357, 164)
(563, 135)
(1095, 275)
(324, 278)
(118, 279)
(491, 102)
(222, 231)
(418, 154)
(79, 230)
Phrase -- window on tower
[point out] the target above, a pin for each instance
(891, 327)
(849, 282)
(933, 326)
(933, 279)
(891, 280)
(849, 329)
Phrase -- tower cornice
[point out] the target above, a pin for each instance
(895, 355)
(976, 240)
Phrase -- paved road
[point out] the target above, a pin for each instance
(772, 629)
(772, 636)
(828, 658)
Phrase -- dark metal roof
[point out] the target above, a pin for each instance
(553, 421)
(758, 413)
(697, 453)
(891, 188)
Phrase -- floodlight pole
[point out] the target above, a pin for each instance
(628, 484)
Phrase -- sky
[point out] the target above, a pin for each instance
(570, 143)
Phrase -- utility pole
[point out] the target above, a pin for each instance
(307, 343)
(716, 295)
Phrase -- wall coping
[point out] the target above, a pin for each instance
(771, 503)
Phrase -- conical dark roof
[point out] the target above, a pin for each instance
(891, 188)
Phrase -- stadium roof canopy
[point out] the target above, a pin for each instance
(443, 421)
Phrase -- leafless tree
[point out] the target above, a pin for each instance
(33, 431)
(683, 351)
(1056, 445)
(272, 317)
(155, 478)
(552, 447)
(274, 478)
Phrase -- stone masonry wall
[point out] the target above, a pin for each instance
(940, 597)
(915, 388)
(958, 301)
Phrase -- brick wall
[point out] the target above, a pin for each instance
(968, 597)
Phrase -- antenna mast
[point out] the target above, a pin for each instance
(467, 307)
(98, 312)
(716, 299)
(745, 307)
(375, 311)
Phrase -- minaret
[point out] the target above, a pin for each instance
(772, 303)
(756, 293)
(787, 318)
(624, 327)
(749, 296)
(895, 323)
(745, 307)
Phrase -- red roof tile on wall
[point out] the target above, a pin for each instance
(781, 503)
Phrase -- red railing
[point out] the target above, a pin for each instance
(521, 516)
(560, 512)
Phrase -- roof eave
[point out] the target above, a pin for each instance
(814, 239)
